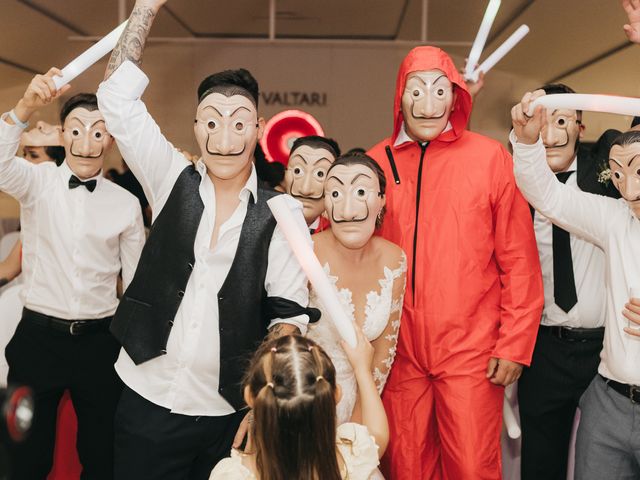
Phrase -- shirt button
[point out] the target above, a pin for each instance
(163, 352)
(180, 293)
(190, 265)
(170, 323)
(220, 297)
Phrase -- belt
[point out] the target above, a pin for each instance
(72, 327)
(575, 334)
(632, 392)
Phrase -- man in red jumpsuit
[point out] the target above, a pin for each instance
(474, 291)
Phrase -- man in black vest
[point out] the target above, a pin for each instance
(215, 275)
(566, 355)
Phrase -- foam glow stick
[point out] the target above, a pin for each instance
(481, 37)
(89, 57)
(325, 290)
(501, 51)
(509, 416)
(588, 102)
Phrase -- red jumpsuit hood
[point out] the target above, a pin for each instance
(429, 58)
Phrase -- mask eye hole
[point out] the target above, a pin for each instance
(320, 174)
(638, 172)
(617, 175)
(211, 125)
(75, 132)
(440, 92)
(97, 135)
(360, 193)
(298, 172)
(561, 122)
(239, 126)
(335, 194)
(416, 93)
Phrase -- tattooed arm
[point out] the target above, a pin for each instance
(280, 330)
(133, 39)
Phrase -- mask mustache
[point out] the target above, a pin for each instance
(306, 197)
(422, 117)
(355, 220)
(218, 154)
(90, 157)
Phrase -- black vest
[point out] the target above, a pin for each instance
(147, 310)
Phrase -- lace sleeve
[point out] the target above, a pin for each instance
(385, 344)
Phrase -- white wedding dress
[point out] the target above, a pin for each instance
(380, 306)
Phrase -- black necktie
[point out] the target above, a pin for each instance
(75, 182)
(564, 285)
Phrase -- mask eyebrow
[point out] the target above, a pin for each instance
(632, 159)
(437, 79)
(335, 178)
(214, 108)
(358, 176)
(240, 108)
(300, 157)
(614, 160)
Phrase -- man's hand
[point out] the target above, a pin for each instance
(244, 430)
(280, 330)
(473, 87)
(503, 372)
(40, 92)
(527, 127)
(632, 313)
(632, 29)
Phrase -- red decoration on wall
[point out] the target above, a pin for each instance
(283, 129)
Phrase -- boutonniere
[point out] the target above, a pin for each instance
(604, 176)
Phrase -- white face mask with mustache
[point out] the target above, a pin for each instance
(625, 173)
(86, 141)
(427, 101)
(227, 130)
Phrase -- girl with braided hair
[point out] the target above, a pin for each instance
(291, 387)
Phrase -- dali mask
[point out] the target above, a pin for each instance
(227, 130)
(305, 178)
(427, 102)
(560, 136)
(624, 162)
(353, 202)
(86, 141)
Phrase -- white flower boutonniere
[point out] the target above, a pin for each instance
(604, 176)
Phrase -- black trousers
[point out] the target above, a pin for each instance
(548, 394)
(153, 443)
(51, 361)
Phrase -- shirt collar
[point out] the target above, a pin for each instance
(250, 188)
(66, 172)
(403, 137)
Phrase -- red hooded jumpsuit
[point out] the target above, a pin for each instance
(474, 290)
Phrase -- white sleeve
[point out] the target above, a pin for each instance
(285, 277)
(19, 178)
(584, 214)
(152, 159)
(131, 243)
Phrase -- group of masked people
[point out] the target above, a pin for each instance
(485, 270)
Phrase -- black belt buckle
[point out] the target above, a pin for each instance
(76, 326)
(633, 389)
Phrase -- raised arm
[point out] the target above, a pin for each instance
(18, 177)
(133, 39)
(153, 160)
(584, 214)
(632, 29)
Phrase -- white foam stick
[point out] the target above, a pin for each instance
(501, 51)
(588, 102)
(510, 421)
(481, 37)
(89, 57)
(325, 290)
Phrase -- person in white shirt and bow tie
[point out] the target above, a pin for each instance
(79, 231)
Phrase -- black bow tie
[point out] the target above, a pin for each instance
(75, 182)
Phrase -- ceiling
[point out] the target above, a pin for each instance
(574, 39)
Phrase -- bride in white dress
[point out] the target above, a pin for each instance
(368, 271)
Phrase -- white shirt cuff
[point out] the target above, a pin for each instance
(9, 132)
(299, 321)
(128, 81)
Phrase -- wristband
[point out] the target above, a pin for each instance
(17, 121)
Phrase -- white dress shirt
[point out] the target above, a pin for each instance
(74, 242)
(588, 271)
(186, 379)
(605, 222)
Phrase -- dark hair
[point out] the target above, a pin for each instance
(293, 385)
(551, 88)
(87, 101)
(316, 141)
(627, 138)
(56, 154)
(364, 159)
(355, 150)
(229, 83)
(635, 121)
(272, 173)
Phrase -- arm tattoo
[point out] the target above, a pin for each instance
(281, 329)
(133, 39)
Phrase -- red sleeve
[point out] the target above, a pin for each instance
(519, 266)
